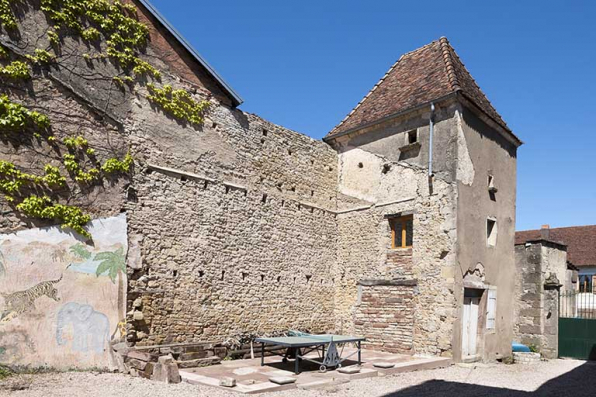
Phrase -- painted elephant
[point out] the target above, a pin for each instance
(90, 328)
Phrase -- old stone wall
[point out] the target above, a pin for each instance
(528, 307)
(536, 309)
(385, 314)
(218, 261)
(239, 237)
(231, 223)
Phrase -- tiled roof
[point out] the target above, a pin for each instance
(418, 77)
(580, 241)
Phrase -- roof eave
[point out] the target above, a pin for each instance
(236, 99)
(389, 117)
(559, 244)
(504, 129)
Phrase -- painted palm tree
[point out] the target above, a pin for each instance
(112, 264)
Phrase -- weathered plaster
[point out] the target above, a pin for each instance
(465, 167)
(69, 314)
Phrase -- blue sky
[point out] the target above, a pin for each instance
(305, 64)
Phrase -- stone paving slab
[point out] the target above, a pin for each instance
(252, 378)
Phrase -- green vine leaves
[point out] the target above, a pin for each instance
(115, 26)
(178, 103)
(16, 117)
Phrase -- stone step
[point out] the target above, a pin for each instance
(417, 365)
(199, 362)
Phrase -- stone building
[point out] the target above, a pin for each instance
(544, 271)
(398, 226)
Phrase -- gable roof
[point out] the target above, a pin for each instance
(236, 99)
(580, 241)
(419, 77)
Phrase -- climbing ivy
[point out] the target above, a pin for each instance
(15, 70)
(53, 176)
(74, 143)
(113, 165)
(125, 37)
(12, 179)
(92, 19)
(72, 165)
(7, 18)
(122, 81)
(68, 216)
(16, 116)
(41, 57)
(178, 103)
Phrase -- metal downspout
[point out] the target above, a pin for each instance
(430, 141)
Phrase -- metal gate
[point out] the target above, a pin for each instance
(577, 325)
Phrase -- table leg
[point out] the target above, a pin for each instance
(359, 354)
(323, 360)
(297, 362)
(262, 354)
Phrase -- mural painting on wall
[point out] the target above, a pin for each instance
(62, 300)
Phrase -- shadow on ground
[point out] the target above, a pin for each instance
(580, 382)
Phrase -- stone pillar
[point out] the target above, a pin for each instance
(550, 344)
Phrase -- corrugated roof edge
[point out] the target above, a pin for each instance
(236, 99)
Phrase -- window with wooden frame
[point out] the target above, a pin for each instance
(402, 230)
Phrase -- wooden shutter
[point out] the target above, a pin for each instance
(491, 309)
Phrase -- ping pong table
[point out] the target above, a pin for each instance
(326, 346)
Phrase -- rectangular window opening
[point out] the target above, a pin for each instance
(412, 136)
(491, 232)
(402, 230)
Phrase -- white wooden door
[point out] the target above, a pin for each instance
(470, 326)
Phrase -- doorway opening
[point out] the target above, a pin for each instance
(471, 320)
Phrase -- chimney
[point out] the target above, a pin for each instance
(545, 232)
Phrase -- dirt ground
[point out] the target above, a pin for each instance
(558, 378)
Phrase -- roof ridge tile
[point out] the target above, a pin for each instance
(447, 51)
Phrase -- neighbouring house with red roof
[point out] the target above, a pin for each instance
(581, 249)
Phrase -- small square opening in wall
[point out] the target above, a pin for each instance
(491, 232)
(412, 136)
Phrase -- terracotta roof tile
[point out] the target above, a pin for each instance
(418, 77)
(580, 241)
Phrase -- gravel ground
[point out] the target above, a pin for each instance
(553, 378)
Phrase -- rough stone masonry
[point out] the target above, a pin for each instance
(241, 226)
